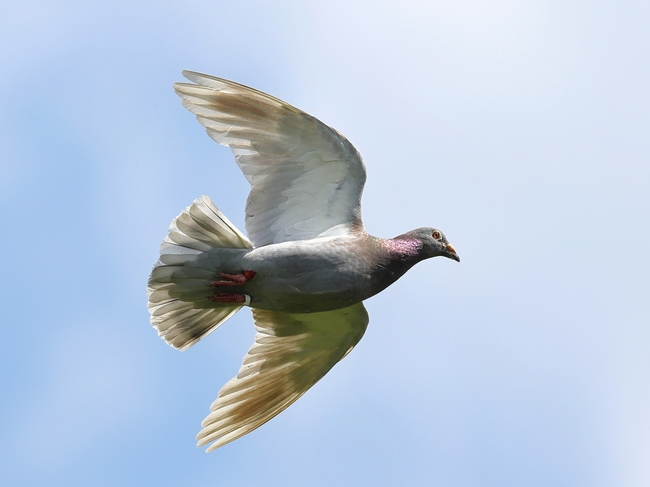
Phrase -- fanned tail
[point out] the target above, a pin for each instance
(200, 241)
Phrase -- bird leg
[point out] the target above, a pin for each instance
(233, 279)
(230, 298)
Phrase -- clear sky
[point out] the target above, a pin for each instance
(520, 128)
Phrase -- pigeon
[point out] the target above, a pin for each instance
(304, 269)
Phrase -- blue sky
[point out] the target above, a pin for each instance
(518, 128)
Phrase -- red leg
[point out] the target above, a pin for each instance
(230, 298)
(233, 279)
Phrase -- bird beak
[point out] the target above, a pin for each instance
(452, 252)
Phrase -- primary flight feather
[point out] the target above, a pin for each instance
(304, 269)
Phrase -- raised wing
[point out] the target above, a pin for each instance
(306, 179)
(290, 354)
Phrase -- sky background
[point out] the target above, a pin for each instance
(520, 128)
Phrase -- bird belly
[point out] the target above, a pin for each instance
(304, 294)
(303, 278)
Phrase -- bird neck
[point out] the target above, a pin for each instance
(393, 257)
(404, 249)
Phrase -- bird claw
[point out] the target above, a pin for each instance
(233, 279)
(230, 298)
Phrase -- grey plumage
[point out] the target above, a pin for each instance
(305, 271)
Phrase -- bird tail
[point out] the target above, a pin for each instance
(200, 241)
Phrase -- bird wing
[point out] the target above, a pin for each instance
(306, 179)
(290, 354)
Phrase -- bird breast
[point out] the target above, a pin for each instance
(315, 275)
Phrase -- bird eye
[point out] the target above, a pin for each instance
(436, 234)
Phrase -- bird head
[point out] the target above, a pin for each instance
(434, 243)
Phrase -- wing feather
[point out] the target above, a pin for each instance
(290, 354)
(300, 170)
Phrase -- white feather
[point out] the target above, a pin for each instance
(183, 270)
(290, 354)
(305, 177)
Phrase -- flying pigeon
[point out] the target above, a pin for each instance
(305, 268)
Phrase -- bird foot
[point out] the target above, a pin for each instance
(230, 298)
(233, 279)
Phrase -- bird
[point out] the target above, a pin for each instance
(304, 268)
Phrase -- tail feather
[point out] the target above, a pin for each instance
(199, 241)
(195, 328)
